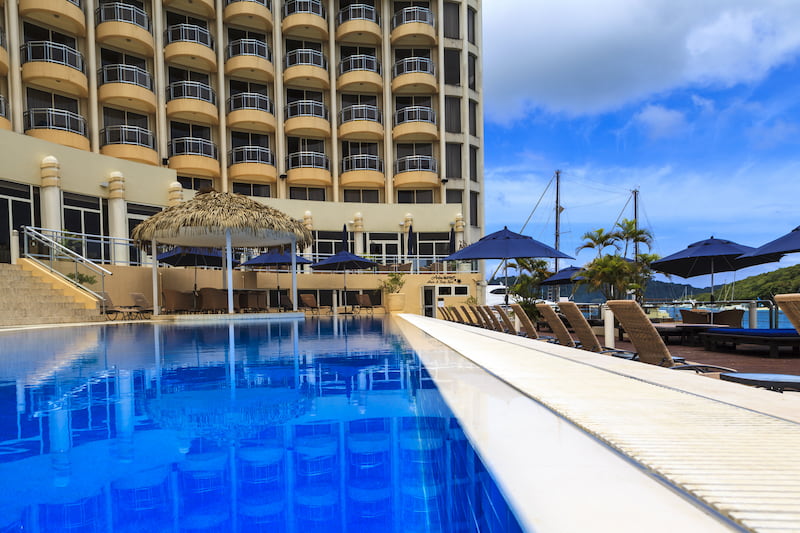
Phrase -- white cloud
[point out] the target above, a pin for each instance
(584, 56)
(658, 122)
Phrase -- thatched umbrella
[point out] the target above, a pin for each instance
(221, 220)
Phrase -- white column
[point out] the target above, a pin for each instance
(229, 269)
(358, 234)
(51, 194)
(118, 218)
(608, 327)
(293, 251)
(222, 142)
(15, 93)
(154, 254)
(91, 59)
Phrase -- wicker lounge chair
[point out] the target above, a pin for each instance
(649, 345)
(583, 330)
(489, 316)
(457, 315)
(142, 304)
(471, 317)
(729, 317)
(364, 303)
(111, 311)
(691, 316)
(504, 318)
(486, 322)
(309, 302)
(176, 301)
(556, 325)
(528, 329)
(213, 300)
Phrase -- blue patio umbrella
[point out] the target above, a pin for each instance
(274, 258)
(342, 262)
(565, 276)
(782, 245)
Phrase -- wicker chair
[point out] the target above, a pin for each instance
(528, 329)
(690, 316)
(504, 318)
(472, 318)
(556, 325)
(583, 330)
(489, 316)
(729, 317)
(364, 303)
(790, 305)
(213, 300)
(177, 301)
(142, 304)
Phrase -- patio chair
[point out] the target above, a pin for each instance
(111, 311)
(473, 319)
(691, 316)
(213, 300)
(457, 315)
(491, 319)
(476, 310)
(556, 325)
(583, 330)
(309, 302)
(142, 304)
(285, 303)
(364, 303)
(504, 318)
(649, 345)
(528, 329)
(728, 317)
(790, 305)
(176, 301)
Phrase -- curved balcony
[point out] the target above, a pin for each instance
(414, 75)
(413, 26)
(124, 26)
(253, 14)
(416, 171)
(5, 124)
(361, 123)
(358, 23)
(307, 68)
(194, 157)
(126, 86)
(305, 18)
(65, 15)
(192, 101)
(204, 8)
(250, 59)
(56, 125)
(251, 112)
(129, 142)
(190, 46)
(252, 163)
(54, 66)
(362, 171)
(308, 168)
(307, 118)
(359, 73)
(3, 56)
(415, 123)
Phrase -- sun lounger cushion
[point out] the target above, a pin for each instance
(783, 332)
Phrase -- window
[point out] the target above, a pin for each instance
(407, 149)
(240, 138)
(473, 209)
(405, 53)
(453, 161)
(112, 57)
(472, 61)
(294, 95)
(461, 290)
(298, 144)
(292, 44)
(454, 196)
(452, 114)
(85, 214)
(359, 148)
(176, 18)
(452, 67)
(316, 194)
(473, 163)
(365, 196)
(451, 21)
(39, 99)
(402, 102)
(473, 118)
(359, 99)
(446, 290)
(471, 25)
(238, 87)
(424, 196)
(181, 129)
(236, 34)
(117, 117)
(196, 184)
(36, 33)
(179, 74)
(252, 189)
(347, 51)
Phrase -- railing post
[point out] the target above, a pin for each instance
(752, 319)
(608, 327)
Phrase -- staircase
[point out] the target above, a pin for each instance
(25, 300)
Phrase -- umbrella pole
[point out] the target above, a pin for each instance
(505, 274)
(229, 269)
(293, 249)
(156, 306)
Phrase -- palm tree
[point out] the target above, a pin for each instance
(599, 240)
(628, 232)
(609, 274)
(531, 272)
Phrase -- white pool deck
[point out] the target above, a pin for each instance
(585, 442)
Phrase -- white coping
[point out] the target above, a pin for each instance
(619, 445)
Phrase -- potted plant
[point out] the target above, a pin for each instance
(391, 286)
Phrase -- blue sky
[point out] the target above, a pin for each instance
(696, 104)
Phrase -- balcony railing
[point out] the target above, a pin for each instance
(414, 114)
(248, 47)
(412, 14)
(308, 160)
(413, 64)
(52, 53)
(3, 107)
(76, 2)
(254, 101)
(314, 7)
(2, 37)
(306, 56)
(191, 89)
(414, 163)
(124, 134)
(359, 62)
(362, 162)
(307, 108)
(125, 74)
(188, 33)
(251, 154)
(265, 3)
(360, 112)
(192, 146)
(119, 12)
(357, 12)
(48, 118)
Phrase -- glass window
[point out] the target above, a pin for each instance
(473, 118)
(472, 61)
(452, 67)
(473, 209)
(307, 193)
(471, 13)
(453, 161)
(196, 184)
(453, 196)
(473, 163)
(452, 114)
(370, 196)
(461, 290)
(451, 21)
(251, 189)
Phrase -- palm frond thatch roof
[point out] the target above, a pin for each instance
(203, 221)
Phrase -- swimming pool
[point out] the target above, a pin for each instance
(299, 425)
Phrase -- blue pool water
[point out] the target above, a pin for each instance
(318, 425)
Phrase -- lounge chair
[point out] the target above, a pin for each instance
(504, 318)
(176, 301)
(457, 315)
(309, 302)
(213, 300)
(285, 303)
(583, 330)
(142, 304)
(364, 303)
(111, 311)
(445, 313)
(476, 310)
(473, 319)
(691, 316)
(556, 325)
(729, 317)
(489, 316)
(528, 329)
(649, 345)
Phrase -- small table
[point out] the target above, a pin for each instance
(774, 382)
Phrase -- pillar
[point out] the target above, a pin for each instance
(175, 194)
(118, 219)
(50, 202)
(308, 222)
(358, 234)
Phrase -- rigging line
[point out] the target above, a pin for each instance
(622, 211)
(537, 204)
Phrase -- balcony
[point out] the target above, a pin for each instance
(306, 68)
(250, 59)
(126, 86)
(3, 54)
(64, 15)
(414, 75)
(251, 112)
(305, 18)
(190, 46)
(129, 142)
(126, 27)
(192, 101)
(54, 66)
(360, 73)
(56, 125)
(252, 14)
(413, 26)
(361, 123)
(362, 171)
(307, 118)
(308, 168)
(194, 157)
(5, 124)
(252, 163)
(203, 8)
(358, 23)
(416, 171)
(415, 123)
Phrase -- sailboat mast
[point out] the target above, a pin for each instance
(635, 193)
(558, 216)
